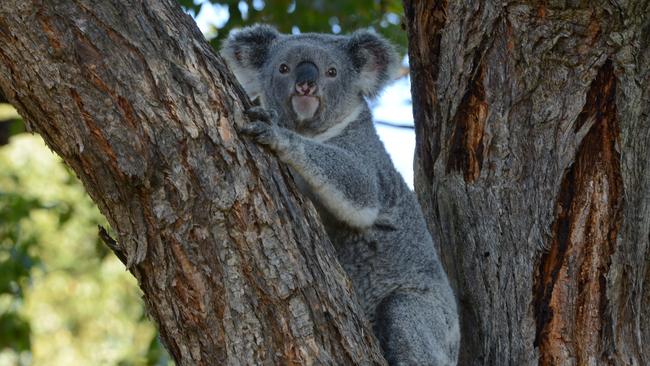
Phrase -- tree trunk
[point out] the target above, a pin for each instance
(532, 165)
(234, 266)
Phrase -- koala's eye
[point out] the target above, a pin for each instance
(284, 69)
(331, 72)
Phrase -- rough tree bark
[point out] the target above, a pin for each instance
(532, 164)
(235, 268)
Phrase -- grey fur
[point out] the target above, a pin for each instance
(370, 214)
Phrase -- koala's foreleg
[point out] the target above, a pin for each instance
(341, 182)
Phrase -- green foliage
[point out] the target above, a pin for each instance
(15, 260)
(312, 16)
(16, 263)
(14, 332)
(64, 298)
(10, 123)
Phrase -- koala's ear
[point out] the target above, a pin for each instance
(245, 52)
(374, 58)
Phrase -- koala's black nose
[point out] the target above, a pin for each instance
(306, 76)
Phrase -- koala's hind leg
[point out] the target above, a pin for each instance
(416, 328)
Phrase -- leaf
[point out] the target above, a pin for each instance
(14, 332)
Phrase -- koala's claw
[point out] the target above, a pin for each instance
(262, 114)
(261, 132)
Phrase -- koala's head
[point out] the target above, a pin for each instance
(313, 81)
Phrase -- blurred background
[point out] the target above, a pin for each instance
(64, 297)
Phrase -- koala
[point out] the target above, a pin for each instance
(314, 115)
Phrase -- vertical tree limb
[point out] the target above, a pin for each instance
(532, 166)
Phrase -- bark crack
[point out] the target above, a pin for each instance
(570, 297)
(466, 148)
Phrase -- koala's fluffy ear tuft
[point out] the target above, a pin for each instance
(374, 58)
(245, 52)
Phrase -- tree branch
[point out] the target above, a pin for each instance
(235, 267)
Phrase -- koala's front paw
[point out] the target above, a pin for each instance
(262, 133)
(258, 113)
(263, 128)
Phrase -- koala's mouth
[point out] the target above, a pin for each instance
(305, 106)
